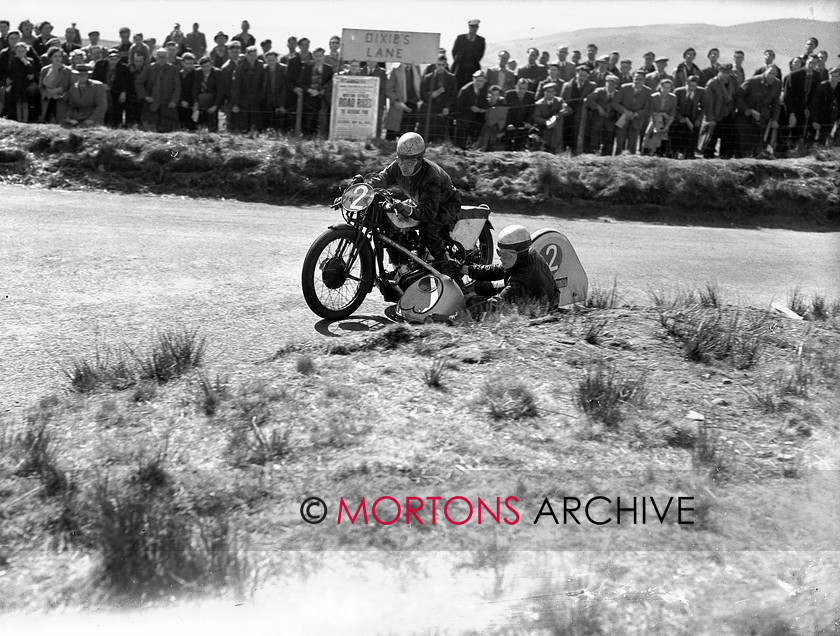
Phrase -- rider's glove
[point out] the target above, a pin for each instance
(357, 179)
(403, 208)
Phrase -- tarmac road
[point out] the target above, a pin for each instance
(81, 268)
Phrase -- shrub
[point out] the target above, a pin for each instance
(12, 155)
(594, 330)
(107, 369)
(305, 365)
(602, 389)
(253, 410)
(508, 399)
(173, 353)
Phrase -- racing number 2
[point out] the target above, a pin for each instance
(361, 190)
(550, 253)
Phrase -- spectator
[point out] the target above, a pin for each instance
(55, 81)
(625, 72)
(316, 82)
(686, 68)
(266, 46)
(685, 130)
(612, 66)
(244, 37)
(219, 55)
(549, 115)
(712, 70)
(648, 64)
(77, 35)
(575, 59)
(800, 90)
(769, 63)
(720, 114)
(207, 95)
(811, 45)
(495, 119)
(633, 103)
(159, 86)
(247, 91)
(599, 75)
(378, 71)
(520, 105)
(87, 101)
(93, 41)
(68, 46)
(553, 77)
(186, 105)
(439, 90)
(23, 74)
(567, 68)
(545, 58)
(133, 103)
(663, 111)
(404, 99)
(228, 71)
(44, 36)
(139, 47)
(532, 71)
(738, 67)
(466, 54)
(333, 58)
(196, 42)
(759, 103)
(573, 94)
(124, 45)
(591, 56)
(291, 43)
(26, 32)
(825, 107)
(652, 80)
(177, 39)
(471, 107)
(5, 26)
(501, 75)
(822, 58)
(44, 58)
(602, 115)
(114, 75)
(173, 53)
(273, 103)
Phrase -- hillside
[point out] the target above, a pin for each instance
(786, 37)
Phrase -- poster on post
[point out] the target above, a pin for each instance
(355, 103)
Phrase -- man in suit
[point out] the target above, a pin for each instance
(567, 69)
(633, 104)
(87, 100)
(801, 87)
(720, 110)
(467, 53)
(602, 115)
(159, 86)
(196, 42)
(206, 94)
(189, 75)
(599, 75)
(471, 107)
(825, 107)
(246, 92)
(315, 83)
(549, 113)
(501, 75)
(553, 77)
(686, 128)
(115, 75)
(520, 105)
(403, 89)
(532, 71)
(769, 63)
(758, 101)
(573, 95)
(439, 90)
(712, 69)
(273, 99)
(652, 79)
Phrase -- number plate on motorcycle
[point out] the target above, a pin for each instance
(357, 197)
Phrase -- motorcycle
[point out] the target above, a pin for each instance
(376, 246)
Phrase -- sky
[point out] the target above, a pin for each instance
(319, 19)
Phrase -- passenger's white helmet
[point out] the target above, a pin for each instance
(513, 240)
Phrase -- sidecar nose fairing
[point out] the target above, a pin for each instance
(431, 297)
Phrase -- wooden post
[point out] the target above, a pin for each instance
(299, 114)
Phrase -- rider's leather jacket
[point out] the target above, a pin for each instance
(438, 201)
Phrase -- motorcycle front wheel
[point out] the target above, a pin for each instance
(337, 276)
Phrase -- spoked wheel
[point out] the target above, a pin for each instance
(336, 275)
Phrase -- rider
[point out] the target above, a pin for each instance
(524, 271)
(434, 200)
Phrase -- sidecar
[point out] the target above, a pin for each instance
(436, 297)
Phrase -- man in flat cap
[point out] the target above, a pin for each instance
(93, 38)
(549, 114)
(599, 75)
(602, 115)
(114, 74)
(686, 68)
(573, 94)
(467, 53)
(719, 120)
(652, 79)
(633, 104)
(87, 100)
(470, 110)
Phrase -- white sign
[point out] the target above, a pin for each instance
(371, 45)
(355, 103)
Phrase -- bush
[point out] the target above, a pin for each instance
(602, 390)
(508, 399)
(174, 353)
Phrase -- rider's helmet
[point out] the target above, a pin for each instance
(410, 151)
(513, 241)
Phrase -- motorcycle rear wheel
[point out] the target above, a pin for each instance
(485, 245)
(335, 276)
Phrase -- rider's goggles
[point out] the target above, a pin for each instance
(504, 253)
(409, 163)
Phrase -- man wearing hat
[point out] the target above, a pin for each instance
(159, 86)
(719, 120)
(87, 100)
(196, 42)
(220, 54)
(633, 104)
(647, 65)
(501, 75)
(759, 104)
(467, 53)
(652, 79)
(139, 46)
(599, 75)
(520, 105)
(567, 68)
(549, 115)
(686, 68)
(93, 39)
(532, 71)
(602, 115)
(114, 74)
(690, 108)
(470, 109)
(825, 107)
(712, 70)
(574, 93)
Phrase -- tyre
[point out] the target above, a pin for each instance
(336, 276)
(485, 246)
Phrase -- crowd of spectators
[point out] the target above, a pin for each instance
(587, 103)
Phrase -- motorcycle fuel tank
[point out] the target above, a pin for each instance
(431, 297)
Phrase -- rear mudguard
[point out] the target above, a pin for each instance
(557, 250)
(469, 223)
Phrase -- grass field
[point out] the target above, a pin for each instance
(155, 477)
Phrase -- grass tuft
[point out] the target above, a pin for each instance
(213, 393)
(305, 365)
(509, 400)
(602, 390)
(602, 297)
(173, 353)
(434, 372)
(708, 451)
(796, 301)
(710, 295)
